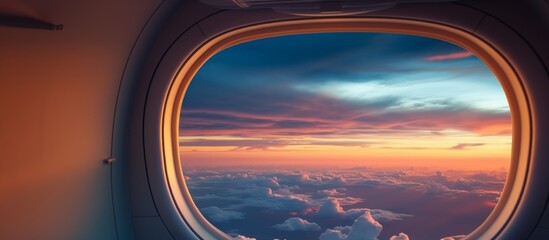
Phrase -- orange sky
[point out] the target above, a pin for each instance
(481, 152)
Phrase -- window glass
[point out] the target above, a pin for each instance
(345, 136)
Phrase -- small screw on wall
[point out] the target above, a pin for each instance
(109, 160)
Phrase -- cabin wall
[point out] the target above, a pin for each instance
(58, 92)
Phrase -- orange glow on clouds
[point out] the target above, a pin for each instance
(454, 152)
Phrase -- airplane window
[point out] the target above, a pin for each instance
(354, 135)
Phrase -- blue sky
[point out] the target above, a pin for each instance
(355, 63)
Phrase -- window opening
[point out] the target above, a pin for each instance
(339, 135)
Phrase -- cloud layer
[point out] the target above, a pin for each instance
(309, 203)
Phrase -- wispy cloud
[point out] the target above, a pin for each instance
(268, 143)
(450, 56)
(462, 146)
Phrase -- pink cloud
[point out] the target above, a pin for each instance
(401, 236)
(449, 56)
(240, 237)
(477, 121)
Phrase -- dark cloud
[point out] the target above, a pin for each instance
(299, 55)
(435, 188)
(219, 215)
(297, 224)
(462, 146)
(294, 123)
(263, 144)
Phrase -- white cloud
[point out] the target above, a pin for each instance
(365, 227)
(316, 179)
(343, 229)
(216, 214)
(401, 236)
(414, 91)
(323, 194)
(332, 234)
(297, 224)
(240, 237)
(332, 207)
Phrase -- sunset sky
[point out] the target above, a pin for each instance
(346, 99)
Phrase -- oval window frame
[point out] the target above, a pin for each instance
(518, 102)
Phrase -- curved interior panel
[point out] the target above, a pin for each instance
(89, 122)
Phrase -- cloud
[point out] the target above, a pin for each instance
(332, 208)
(332, 192)
(216, 214)
(328, 194)
(401, 236)
(457, 237)
(449, 56)
(355, 121)
(267, 143)
(280, 199)
(364, 227)
(240, 237)
(332, 234)
(462, 146)
(297, 224)
(343, 229)
(327, 180)
(435, 188)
